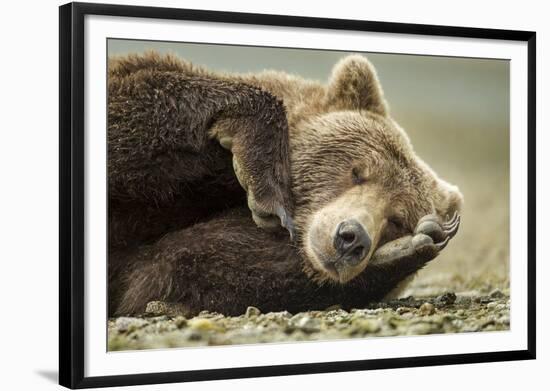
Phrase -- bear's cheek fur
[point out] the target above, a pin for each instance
(362, 204)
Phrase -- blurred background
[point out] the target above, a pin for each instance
(456, 112)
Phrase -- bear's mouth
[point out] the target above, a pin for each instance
(337, 267)
(340, 247)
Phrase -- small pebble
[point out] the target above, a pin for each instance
(463, 300)
(252, 311)
(365, 326)
(457, 323)
(202, 324)
(161, 308)
(278, 316)
(126, 324)
(419, 329)
(155, 308)
(402, 310)
(426, 309)
(496, 294)
(193, 335)
(446, 299)
(180, 322)
(157, 319)
(308, 325)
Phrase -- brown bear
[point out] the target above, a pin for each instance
(205, 167)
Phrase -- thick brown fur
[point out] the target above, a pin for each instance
(160, 155)
(179, 229)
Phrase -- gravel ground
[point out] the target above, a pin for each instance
(448, 313)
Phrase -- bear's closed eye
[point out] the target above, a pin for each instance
(395, 228)
(396, 223)
(357, 177)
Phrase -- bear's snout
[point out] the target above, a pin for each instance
(342, 235)
(351, 242)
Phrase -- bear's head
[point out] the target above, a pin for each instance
(357, 182)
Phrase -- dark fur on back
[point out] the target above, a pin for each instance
(164, 170)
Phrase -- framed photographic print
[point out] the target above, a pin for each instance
(258, 195)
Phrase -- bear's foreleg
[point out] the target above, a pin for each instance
(227, 264)
(163, 130)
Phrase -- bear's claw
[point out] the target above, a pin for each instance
(439, 232)
(286, 220)
(441, 245)
(265, 217)
(271, 221)
(430, 237)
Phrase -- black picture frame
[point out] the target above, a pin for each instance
(71, 193)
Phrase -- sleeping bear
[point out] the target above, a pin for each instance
(266, 190)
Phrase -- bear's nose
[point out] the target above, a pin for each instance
(351, 241)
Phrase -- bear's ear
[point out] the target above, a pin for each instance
(354, 85)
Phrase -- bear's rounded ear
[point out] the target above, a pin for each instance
(354, 85)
